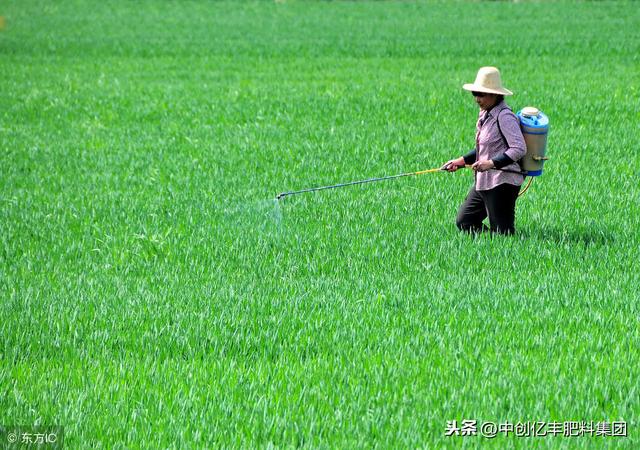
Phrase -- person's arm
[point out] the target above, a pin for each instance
(502, 161)
(470, 157)
(516, 147)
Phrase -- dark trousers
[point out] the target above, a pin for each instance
(499, 204)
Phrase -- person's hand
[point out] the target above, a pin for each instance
(453, 165)
(483, 166)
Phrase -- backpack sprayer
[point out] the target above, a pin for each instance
(535, 128)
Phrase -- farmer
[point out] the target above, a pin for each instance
(499, 145)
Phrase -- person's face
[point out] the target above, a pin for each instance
(485, 101)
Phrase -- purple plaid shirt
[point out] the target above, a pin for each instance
(489, 145)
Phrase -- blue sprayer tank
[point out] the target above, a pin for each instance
(535, 127)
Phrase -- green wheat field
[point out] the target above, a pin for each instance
(154, 294)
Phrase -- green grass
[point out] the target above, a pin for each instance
(152, 295)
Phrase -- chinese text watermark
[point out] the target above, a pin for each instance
(568, 428)
(31, 437)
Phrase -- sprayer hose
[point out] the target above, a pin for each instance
(526, 187)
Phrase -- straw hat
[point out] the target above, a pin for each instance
(488, 80)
